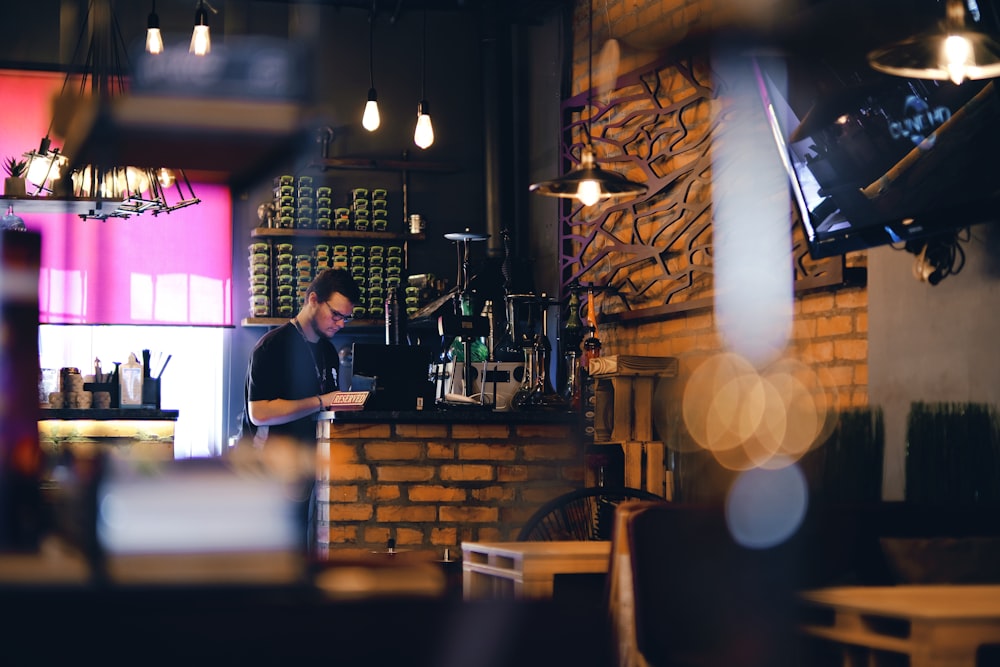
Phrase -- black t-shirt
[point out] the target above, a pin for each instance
(284, 365)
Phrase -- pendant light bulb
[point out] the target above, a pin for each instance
(957, 55)
(423, 135)
(154, 39)
(201, 40)
(44, 165)
(371, 119)
(589, 192)
(165, 177)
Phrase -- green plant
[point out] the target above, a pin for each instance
(14, 167)
(953, 453)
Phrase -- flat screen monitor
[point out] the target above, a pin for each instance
(875, 159)
(397, 375)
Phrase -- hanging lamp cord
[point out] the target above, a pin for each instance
(423, 60)
(371, 46)
(590, 70)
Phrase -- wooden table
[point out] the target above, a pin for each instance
(527, 569)
(934, 626)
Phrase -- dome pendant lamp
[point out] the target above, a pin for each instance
(953, 51)
(588, 182)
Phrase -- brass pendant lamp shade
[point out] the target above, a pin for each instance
(588, 182)
(954, 51)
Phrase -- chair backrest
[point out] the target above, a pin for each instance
(584, 514)
(682, 591)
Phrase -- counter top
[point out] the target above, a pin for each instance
(106, 414)
(459, 415)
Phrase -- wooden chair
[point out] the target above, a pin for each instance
(682, 593)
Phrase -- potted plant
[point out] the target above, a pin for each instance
(15, 185)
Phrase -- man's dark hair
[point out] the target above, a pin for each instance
(335, 280)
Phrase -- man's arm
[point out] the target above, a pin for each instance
(283, 410)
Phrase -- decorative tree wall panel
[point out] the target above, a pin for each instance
(653, 252)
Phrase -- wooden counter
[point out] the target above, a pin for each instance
(142, 432)
(105, 414)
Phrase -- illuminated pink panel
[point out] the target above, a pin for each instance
(173, 268)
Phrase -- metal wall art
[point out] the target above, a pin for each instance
(653, 254)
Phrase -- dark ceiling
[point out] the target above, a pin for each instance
(511, 11)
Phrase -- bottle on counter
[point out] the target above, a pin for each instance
(395, 318)
(130, 382)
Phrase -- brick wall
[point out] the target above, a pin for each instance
(433, 486)
(830, 328)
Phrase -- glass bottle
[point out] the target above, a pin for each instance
(571, 390)
(395, 318)
(573, 327)
(523, 397)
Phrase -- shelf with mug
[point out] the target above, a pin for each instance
(55, 205)
(379, 164)
(274, 233)
(355, 326)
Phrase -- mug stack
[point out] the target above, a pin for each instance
(71, 393)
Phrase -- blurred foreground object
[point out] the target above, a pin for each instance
(224, 118)
(20, 455)
(203, 521)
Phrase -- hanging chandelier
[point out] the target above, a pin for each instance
(118, 191)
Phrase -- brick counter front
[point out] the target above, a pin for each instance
(431, 481)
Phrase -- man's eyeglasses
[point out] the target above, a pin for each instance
(338, 316)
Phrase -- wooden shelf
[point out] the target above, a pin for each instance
(354, 325)
(375, 164)
(106, 414)
(56, 205)
(271, 232)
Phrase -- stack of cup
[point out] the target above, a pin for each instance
(71, 393)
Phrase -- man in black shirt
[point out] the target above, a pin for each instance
(293, 370)
(293, 373)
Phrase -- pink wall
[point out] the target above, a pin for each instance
(173, 268)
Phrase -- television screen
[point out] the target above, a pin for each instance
(875, 159)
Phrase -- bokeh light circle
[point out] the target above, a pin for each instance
(764, 507)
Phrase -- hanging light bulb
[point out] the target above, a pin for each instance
(165, 177)
(371, 119)
(423, 135)
(589, 192)
(154, 40)
(201, 40)
(44, 165)
(587, 182)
